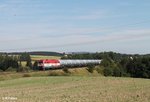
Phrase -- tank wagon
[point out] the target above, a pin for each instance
(52, 63)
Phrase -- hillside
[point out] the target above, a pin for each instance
(75, 89)
(42, 53)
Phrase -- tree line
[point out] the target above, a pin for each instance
(119, 65)
(113, 64)
(14, 62)
(42, 53)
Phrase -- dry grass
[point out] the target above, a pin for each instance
(58, 72)
(76, 89)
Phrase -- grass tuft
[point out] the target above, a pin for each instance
(26, 75)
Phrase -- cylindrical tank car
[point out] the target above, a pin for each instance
(52, 63)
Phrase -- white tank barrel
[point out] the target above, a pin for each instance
(79, 62)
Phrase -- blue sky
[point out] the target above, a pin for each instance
(75, 25)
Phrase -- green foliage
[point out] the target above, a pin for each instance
(106, 62)
(139, 67)
(90, 68)
(115, 64)
(7, 61)
(26, 57)
(23, 69)
(65, 69)
(108, 71)
(1, 70)
(100, 70)
(117, 72)
(10, 69)
(35, 65)
(29, 64)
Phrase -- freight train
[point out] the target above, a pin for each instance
(53, 64)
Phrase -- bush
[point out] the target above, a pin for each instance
(100, 70)
(1, 70)
(26, 75)
(11, 69)
(23, 69)
(35, 66)
(117, 72)
(66, 70)
(108, 71)
(90, 68)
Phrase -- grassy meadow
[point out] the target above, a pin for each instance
(72, 72)
(75, 89)
(76, 86)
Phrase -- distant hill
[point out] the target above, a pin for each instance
(78, 52)
(42, 53)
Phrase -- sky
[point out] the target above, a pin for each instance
(75, 25)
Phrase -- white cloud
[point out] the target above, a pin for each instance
(41, 31)
(71, 39)
(58, 28)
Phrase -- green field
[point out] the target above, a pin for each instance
(38, 57)
(79, 86)
(75, 89)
